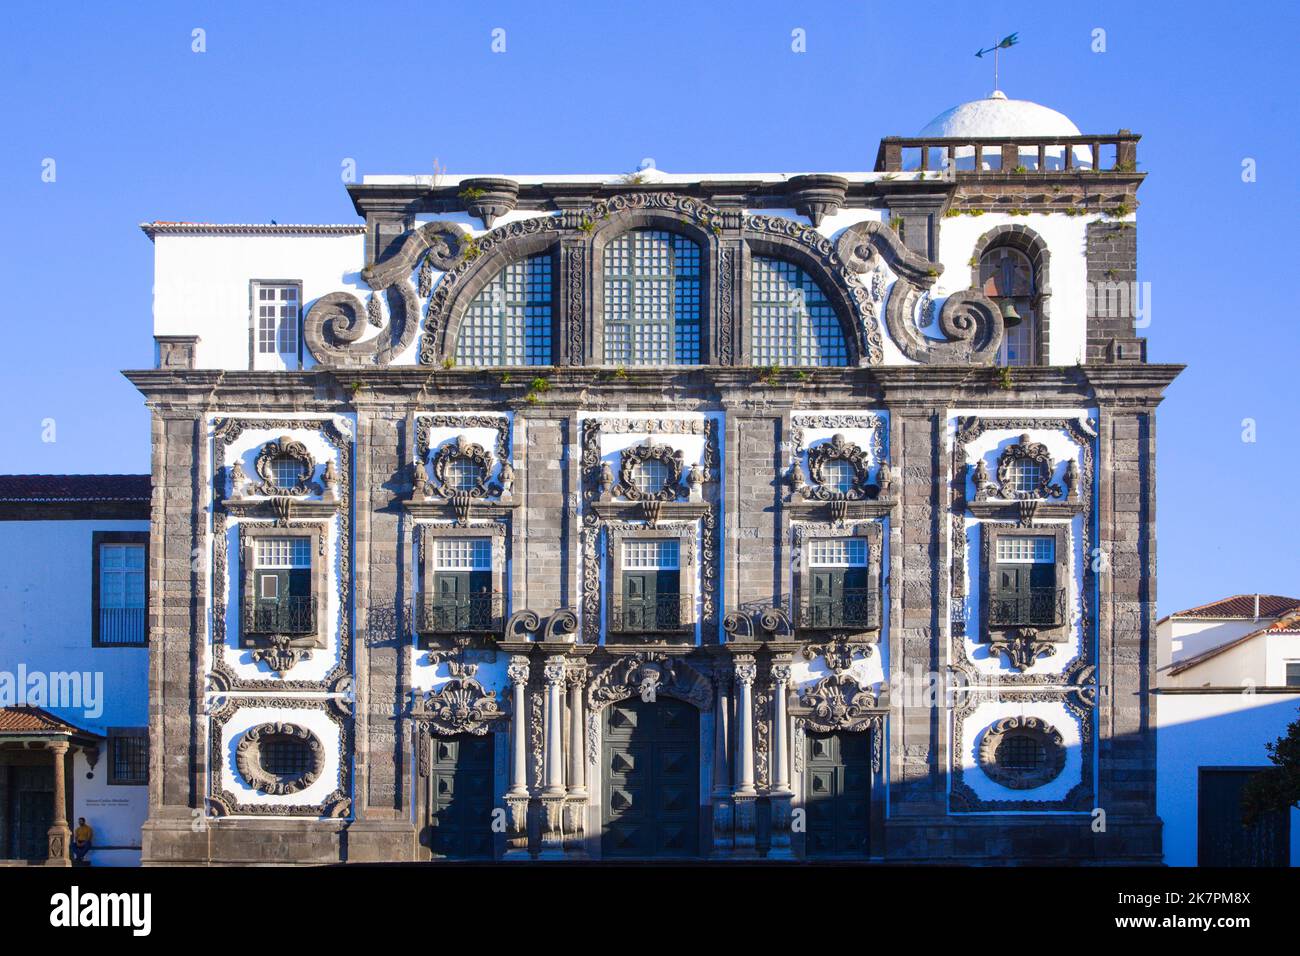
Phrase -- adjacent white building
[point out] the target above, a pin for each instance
(1228, 682)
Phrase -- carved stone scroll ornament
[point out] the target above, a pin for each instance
(336, 323)
(633, 458)
(1030, 774)
(1021, 645)
(970, 322)
(838, 449)
(460, 706)
(1037, 456)
(280, 655)
(283, 447)
(248, 758)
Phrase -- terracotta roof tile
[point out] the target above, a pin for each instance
(33, 720)
(1243, 606)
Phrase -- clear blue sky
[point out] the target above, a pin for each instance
(256, 128)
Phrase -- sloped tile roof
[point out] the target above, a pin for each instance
(33, 720)
(1243, 606)
(74, 488)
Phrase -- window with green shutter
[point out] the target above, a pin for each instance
(282, 598)
(1023, 589)
(461, 585)
(839, 583)
(651, 596)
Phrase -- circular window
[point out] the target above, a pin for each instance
(839, 477)
(279, 758)
(651, 476)
(1022, 753)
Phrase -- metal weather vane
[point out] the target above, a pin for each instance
(1006, 43)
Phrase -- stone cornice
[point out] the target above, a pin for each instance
(581, 388)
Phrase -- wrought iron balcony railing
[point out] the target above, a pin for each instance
(853, 608)
(1041, 607)
(121, 625)
(665, 613)
(471, 614)
(292, 615)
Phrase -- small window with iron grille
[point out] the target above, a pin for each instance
(128, 756)
(288, 758)
(1021, 753)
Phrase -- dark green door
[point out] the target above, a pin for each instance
(32, 791)
(460, 797)
(1223, 840)
(651, 779)
(837, 794)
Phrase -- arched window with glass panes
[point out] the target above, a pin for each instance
(509, 322)
(652, 293)
(791, 320)
(1007, 277)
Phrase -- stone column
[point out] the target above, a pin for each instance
(517, 795)
(781, 794)
(59, 834)
(745, 795)
(553, 759)
(575, 807)
(721, 796)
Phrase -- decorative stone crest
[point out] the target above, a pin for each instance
(838, 449)
(279, 654)
(461, 450)
(248, 758)
(632, 458)
(1037, 456)
(1038, 734)
(838, 702)
(460, 706)
(1022, 646)
(281, 448)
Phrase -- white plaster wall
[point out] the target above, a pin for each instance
(1177, 640)
(45, 628)
(1211, 730)
(971, 731)
(201, 284)
(317, 720)
(45, 620)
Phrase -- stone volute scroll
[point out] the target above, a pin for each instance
(970, 322)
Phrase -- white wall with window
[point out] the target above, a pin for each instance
(47, 634)
(277, 325)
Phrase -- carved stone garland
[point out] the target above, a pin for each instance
(248, 758)
(222, 677)
(1025, 450)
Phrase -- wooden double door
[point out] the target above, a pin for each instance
(651, 780)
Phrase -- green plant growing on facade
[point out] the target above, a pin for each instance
(469, 247)
(470, 193)
(449, 362)
(768, 374)
(802, 375)
(586, 225)
(896, 223)
(1003, 378)
(1120, 211)
(620, 373)
(1020, 169)
(355, 386)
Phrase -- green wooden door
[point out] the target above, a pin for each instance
(651, 600)
(463, 600)
(837, 794)
(33, 811)
(651, 779)
(1223, 839)
(460, 796)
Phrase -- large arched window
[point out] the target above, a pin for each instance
(791, 320)
(1007, 277)
(652, 299)
(509, 321)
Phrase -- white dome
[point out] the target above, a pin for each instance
(995, 115)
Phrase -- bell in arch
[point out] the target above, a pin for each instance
(1010, 317)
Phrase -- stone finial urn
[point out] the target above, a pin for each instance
(489, 198)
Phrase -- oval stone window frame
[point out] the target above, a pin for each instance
(1043, 734)
(248, 758)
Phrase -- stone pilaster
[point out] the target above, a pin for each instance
(59, 833)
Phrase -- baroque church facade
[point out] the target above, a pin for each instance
(739, 516)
